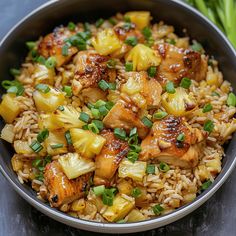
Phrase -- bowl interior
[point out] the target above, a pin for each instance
(43, 20)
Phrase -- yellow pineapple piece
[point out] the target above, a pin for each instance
(135, 215)
(43, 75)
(140, 18)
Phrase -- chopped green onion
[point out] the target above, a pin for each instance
(34, 55)
(132, 156)
(99, 103)
(197, 47)
(102, 84)
(150, 169)
(157, 209)
(215, 94)
(121, 221)
(85, 127)
(133, 140)
(99, 190)
(103, 110)
(41, 60)
(7, 84)
(112, 21)
(133, 131)
(68, 90)
(61, 108)
(147, 33)
(65, 50)
(98, 124)
(152, 71)
(14, 72)
(131, 40)
(111, 63)
(109, 105)
(150, 42)
(42, 88)
(55, 146)
(92, 127)
(231, 100)
(181, 137)
(95, 113)
(86, 27)
(127, 26)
(31, 45)
(112, 86)
(12, 89)
(36, 162)
(51, 62)
(136, 192)
(120, 133)
(128, 66)
(170, 88)
(68, 137)
(208, 126)
(71, 26)
(135, 148)
(36, 146)
(206, 185)
(160, 115)
(84, 35)
(84, 117)
(99, 22)
(127, 19)
(171, 41)
(185, 83)
(108, 196)
(164, 167)
(207, 108)
(42, 135)
(90, 105)
(147, 122)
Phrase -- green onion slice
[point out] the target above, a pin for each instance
(207, 108)
(136, 192)
(231, 100)
(152, 71)
(36, 146)
(68, 137)
(150, 169)
(50, 62)
(185, 83)
(160, 115)
(58, 145)
(68, 90)
(208, 126)
(120, 133)
(102, 84)
(147, 122)
(131, 40)
(84, 117)
(157, 209)
(170, 88)
(164, 167)
(42, 135)
(128, 66)
(42, 88)
(99, 190)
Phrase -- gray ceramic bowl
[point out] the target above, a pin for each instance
(53, 13)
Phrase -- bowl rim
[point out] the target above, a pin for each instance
(126, 227)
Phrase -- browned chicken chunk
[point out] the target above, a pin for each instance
(61, 190)
(177, 63)
(51, 45)
(162, 143)
(90, 68)
(109, 158)
(122, 116)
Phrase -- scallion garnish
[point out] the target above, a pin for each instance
(13, 87)
(112, 86)
(98, 124)
(207, 107)
(111, 63)
(231, 100)
(113, 21)
(135, 148)
(157, 209)
(30, 45)
(147, 122)
(133, 131)
(68, 90)
(50, 62)
(206, 185)
(92, 127)
(36, 146)
(170, 88)
(71, 26)
(84, 117)
(109, 105)
(99, 103)
(171, 41)
(65, 50)
(102, 84)
(181, 137)
(196, 47)
(150, 169)
(147, 33)
(160, 115)
(120, 133)
(208, 126)
(68, 137)
(99, 22)
(136, 192)
(131, 40)
(103, 110)
(41, 60)
(61, 108)
(42, 88)
(132, 156)
(95, 113)
(108, 196)
(185, 83)
(99, 190)
(58, 145)
(164, 167)
(128, 66)
(42, 135)
(152, 71)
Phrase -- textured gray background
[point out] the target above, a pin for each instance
(17, 218)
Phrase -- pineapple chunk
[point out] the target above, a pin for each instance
(46, 121)
(48, 102)
(106, 42)
(67, 118)
(43, 75)
(54, 138)
(86, 142)
(22, 147)
(120, 208)
(78, 205)
(16, 163)
(180, 103)
(125, 187)
(7, 133)
(135, 171)
(74, 165)
(135, 215)
(140, 18)
(143, 57)
(214, 165)
(133, 85)
(9, 108)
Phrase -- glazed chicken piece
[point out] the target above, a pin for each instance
(161, 143)
(51, 45)
(139, 83)
(90, 68)
(177, 63)
(109, 158)
(61, 189)
(122, 116)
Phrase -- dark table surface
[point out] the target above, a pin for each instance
(17, 218)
